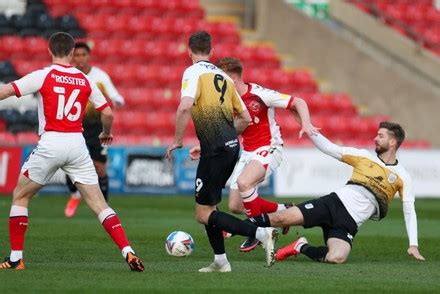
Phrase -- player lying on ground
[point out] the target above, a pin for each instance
(92, 124)
(375, 181)
(262, 143)
(209, 95)
(63, 93)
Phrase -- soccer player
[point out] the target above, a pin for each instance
(262, 144)
(375, 181)
(210, 96)
(63, 93)
(92, 124)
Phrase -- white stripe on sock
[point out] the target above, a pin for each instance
(16, 255)
(18, 211)
(249, 196)
(105, 214)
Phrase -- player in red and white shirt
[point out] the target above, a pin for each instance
(63, 93)
(262, 144)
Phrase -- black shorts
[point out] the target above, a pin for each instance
(212, 174)
(329, 213)
(96, 150)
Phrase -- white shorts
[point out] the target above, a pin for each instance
(269, 156)
(56, 150)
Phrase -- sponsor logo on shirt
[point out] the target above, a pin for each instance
(392, 178)
(185, 84)
(254, 106)
(232, 143)
(309, 206)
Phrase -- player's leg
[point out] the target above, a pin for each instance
(338, 250)
(110, 221)
(261, 164)
(36, 172)
(250, 177)
(101, 170)
(74, 200)
(216, 240)
(338, 229)
(18, 221)
(98, 153)
(235, 202)
(212, 174)
(82, 172)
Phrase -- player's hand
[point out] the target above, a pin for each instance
(194, 153)
(309, 129)
(414, 251)
(171, 148)
(105, 139)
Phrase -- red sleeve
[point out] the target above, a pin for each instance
(17, 91)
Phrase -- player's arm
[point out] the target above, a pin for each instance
(189, 90)
(28, 84)
(242, 117)
(113, 94)
(241, 121)
(6, 91)
(410, 216)
(106, 136)
(101, 105)
(183, 115)
(326, 146)
(299, 106)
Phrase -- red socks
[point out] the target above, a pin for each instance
(255, 205)
(17, 228)
(18, 223)
(267, 206)
(110, 221)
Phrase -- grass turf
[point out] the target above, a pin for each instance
(76, 255)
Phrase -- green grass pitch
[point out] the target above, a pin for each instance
(76, 255)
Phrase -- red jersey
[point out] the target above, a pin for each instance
(263, 129)
(63, 93)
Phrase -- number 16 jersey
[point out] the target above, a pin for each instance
(63, 93)
(215, 102)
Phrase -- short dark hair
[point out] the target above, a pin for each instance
(231, 65)
(200, 43)
(60, 44)
(83, 45)
(395, 129)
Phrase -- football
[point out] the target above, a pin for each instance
(179, 244)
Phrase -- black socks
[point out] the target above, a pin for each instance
(315, 253)
(103, 185)
(231, 224)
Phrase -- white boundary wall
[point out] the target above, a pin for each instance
(308, 172)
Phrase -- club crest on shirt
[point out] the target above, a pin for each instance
(392, 178)
(254, 106)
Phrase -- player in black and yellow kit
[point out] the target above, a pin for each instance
(375, 180)
(92, 123)
(209, 95)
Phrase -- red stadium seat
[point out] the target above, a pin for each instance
(23, 67)
(12, 47)
(27, 138)
(2, 125)
(142, 44)
(7, 138)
